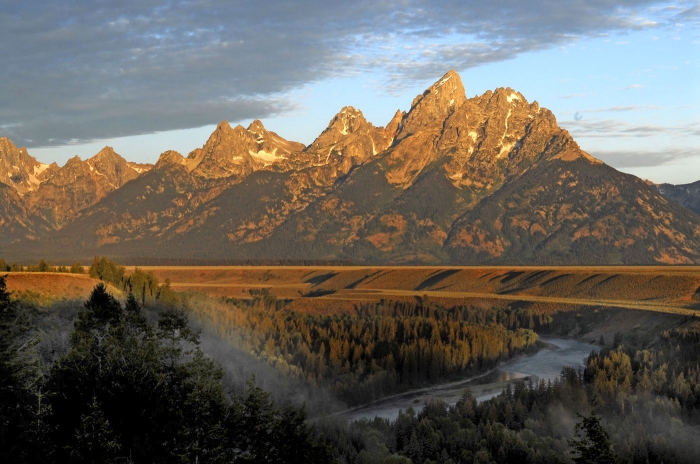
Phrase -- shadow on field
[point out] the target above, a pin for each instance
(437, 278)
(319, 279)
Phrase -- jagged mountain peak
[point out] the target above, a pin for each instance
(239, 151)
(348, 141)
(350, 117)
(6, 144)
(256, 127)
(224, 154)
(107, 157)
(395, 123)
(223, 125)
(346, 122)
(434, 105)
(74, 160)
(80, 184)
(170, 157)
(20, 170)
(508, 95)
(106, 151)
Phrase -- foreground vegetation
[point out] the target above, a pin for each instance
(130, 391)
(646, 388)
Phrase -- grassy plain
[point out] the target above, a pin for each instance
(649, 288)
(611, 299)
(51, 285)
(587, 301)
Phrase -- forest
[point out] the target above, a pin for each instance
(148, 374)
(362, 358)
(127, 390)
(629, 405)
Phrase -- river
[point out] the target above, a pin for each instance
(545, 364)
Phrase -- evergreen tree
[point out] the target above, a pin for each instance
(591, 443)
(149, 389)
(94, 438)
(130, 391)
(77, 268)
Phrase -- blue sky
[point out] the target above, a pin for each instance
(622, 76)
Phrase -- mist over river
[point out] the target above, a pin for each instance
(545, 364)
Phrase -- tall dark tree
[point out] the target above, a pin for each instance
(264, 433)
(591, 443)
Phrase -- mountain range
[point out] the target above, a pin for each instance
(454, 180)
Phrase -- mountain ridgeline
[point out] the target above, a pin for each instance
(486, 180)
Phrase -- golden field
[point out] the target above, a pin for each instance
(337, 288)
(52, 285)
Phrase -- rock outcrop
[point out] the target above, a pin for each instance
(21, 171)
(237, 152)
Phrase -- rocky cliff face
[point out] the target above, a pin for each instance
(21, 171)
(237, 152)
(348, 141)
(489, 179)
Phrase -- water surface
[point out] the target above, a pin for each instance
(545, 364)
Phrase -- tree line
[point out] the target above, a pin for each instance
(41, 266)
(143, 285)
(157, 261)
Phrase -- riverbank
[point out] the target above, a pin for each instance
(546, 364)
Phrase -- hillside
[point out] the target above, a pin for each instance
(485, 180)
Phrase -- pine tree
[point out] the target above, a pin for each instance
(591, 443)
(94, 439)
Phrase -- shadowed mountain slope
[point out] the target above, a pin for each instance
(687, 195)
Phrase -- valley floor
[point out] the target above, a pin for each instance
(663, 289)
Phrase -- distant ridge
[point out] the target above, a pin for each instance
(687, 195)
(230, 262)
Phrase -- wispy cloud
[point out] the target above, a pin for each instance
(615, 109)
(576, 95)
(692, 14)
(641, 158)
(614, 128)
